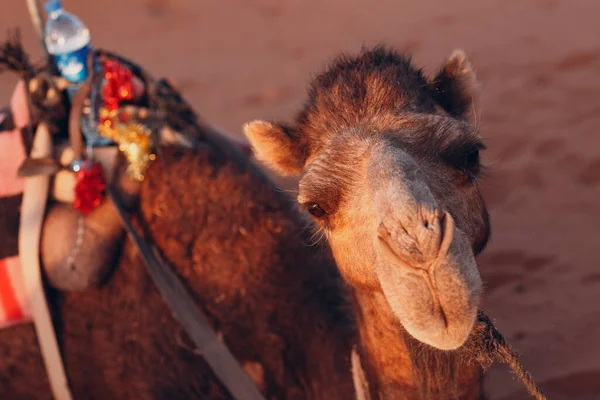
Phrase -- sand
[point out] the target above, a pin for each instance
(539, 65)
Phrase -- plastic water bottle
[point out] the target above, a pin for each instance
(68, 40)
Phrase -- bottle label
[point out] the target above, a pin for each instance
(73, 65)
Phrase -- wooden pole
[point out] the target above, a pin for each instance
(38, 22)
(33, 207)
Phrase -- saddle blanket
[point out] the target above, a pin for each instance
(14, 308)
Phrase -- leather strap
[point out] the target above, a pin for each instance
(184, 309)
(75, 136)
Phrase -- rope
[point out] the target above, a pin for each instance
(501, 351)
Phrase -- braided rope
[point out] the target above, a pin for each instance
(500, 351)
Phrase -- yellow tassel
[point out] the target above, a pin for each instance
(134, 140)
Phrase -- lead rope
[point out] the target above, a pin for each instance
(504, 353)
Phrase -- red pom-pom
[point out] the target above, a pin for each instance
(89, 188)
(118, 85)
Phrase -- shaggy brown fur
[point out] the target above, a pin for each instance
(239, 247)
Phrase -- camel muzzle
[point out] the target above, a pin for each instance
(426, 267)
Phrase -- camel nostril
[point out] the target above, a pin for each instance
(426, 239)
(442, 219)
(382, 232)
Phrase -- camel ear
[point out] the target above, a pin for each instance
(275, 146)
(456, 88)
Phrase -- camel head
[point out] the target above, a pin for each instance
(388, 166)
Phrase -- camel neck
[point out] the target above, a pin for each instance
(399, 367)
(384, 351)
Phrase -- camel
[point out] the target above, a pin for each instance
(388, 166)
(292, 314)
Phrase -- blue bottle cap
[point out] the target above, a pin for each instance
(52, 6)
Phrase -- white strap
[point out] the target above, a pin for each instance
(359, 378)
(33, 208)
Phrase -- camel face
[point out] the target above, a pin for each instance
(388, 164)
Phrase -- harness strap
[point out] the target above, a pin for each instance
(33, 209)
(184, 309)
(359, 378)
(74, 127)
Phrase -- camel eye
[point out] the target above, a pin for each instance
(316, 210)
(470, 160)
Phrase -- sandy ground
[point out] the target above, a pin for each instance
(539, 65)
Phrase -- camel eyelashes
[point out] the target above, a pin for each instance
(466, 157)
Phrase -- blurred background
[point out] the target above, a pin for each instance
(538, 62)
